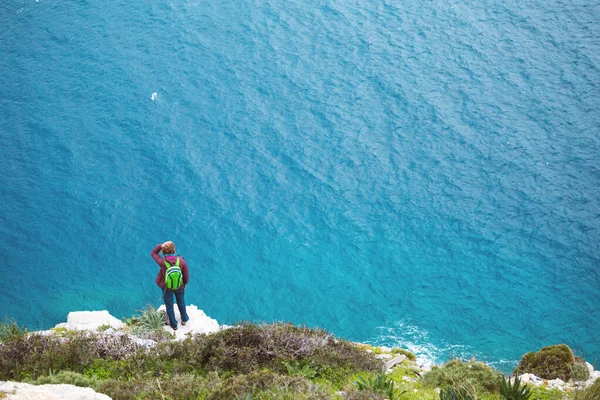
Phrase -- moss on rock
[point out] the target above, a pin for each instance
(410, 355)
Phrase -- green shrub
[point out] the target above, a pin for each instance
(36, 355)
(10, 329)
(452, 393)
(456, 373)
(550, 362)
(580, 370)
(338, 377)
(66, 377)
(222, 365)
(178, 386)
(514, 390)
(104, 369)
(267, 385)
(248, 347)
(543, 393)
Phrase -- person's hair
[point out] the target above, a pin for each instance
(168, 247)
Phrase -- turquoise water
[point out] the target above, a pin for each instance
(416, 173)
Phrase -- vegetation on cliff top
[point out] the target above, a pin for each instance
(248, 361)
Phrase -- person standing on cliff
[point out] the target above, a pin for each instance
(169, 261)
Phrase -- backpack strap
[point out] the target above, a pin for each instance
(168, 264)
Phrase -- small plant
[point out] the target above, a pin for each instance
(514, 390)
(130, 321)
(295, 368)
(452, 393)
(103, 328)
(151, 319)
(379, 383)
(148, 324)
(59, 331)
(9, 328)
(4, 394)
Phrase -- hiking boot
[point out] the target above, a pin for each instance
(183, 323)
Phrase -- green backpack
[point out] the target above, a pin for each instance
(173, 276)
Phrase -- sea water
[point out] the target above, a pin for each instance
(418, 173)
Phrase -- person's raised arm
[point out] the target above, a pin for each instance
(154, 254)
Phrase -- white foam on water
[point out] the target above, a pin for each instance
(154, 96)
(428, 350)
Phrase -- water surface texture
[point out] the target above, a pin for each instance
(415, 173)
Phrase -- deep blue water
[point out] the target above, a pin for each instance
(416, 173)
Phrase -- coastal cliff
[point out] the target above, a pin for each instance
(94, 355)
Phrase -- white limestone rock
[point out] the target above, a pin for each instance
(524, 378)
(593, 376)
(530, 378)
(90, 321)
(556, 383)
(536, 378)
(425, 367)
(26, 391)
(199, 322)
(148, 343)
(590, 368)
(384, 356)
(394, 361)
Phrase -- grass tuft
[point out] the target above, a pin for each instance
(10, 329)
(471, 375)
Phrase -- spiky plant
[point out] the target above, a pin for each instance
(514, 390)
(379, 383)
(452, 393)
(148, 322)
(295, 368)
